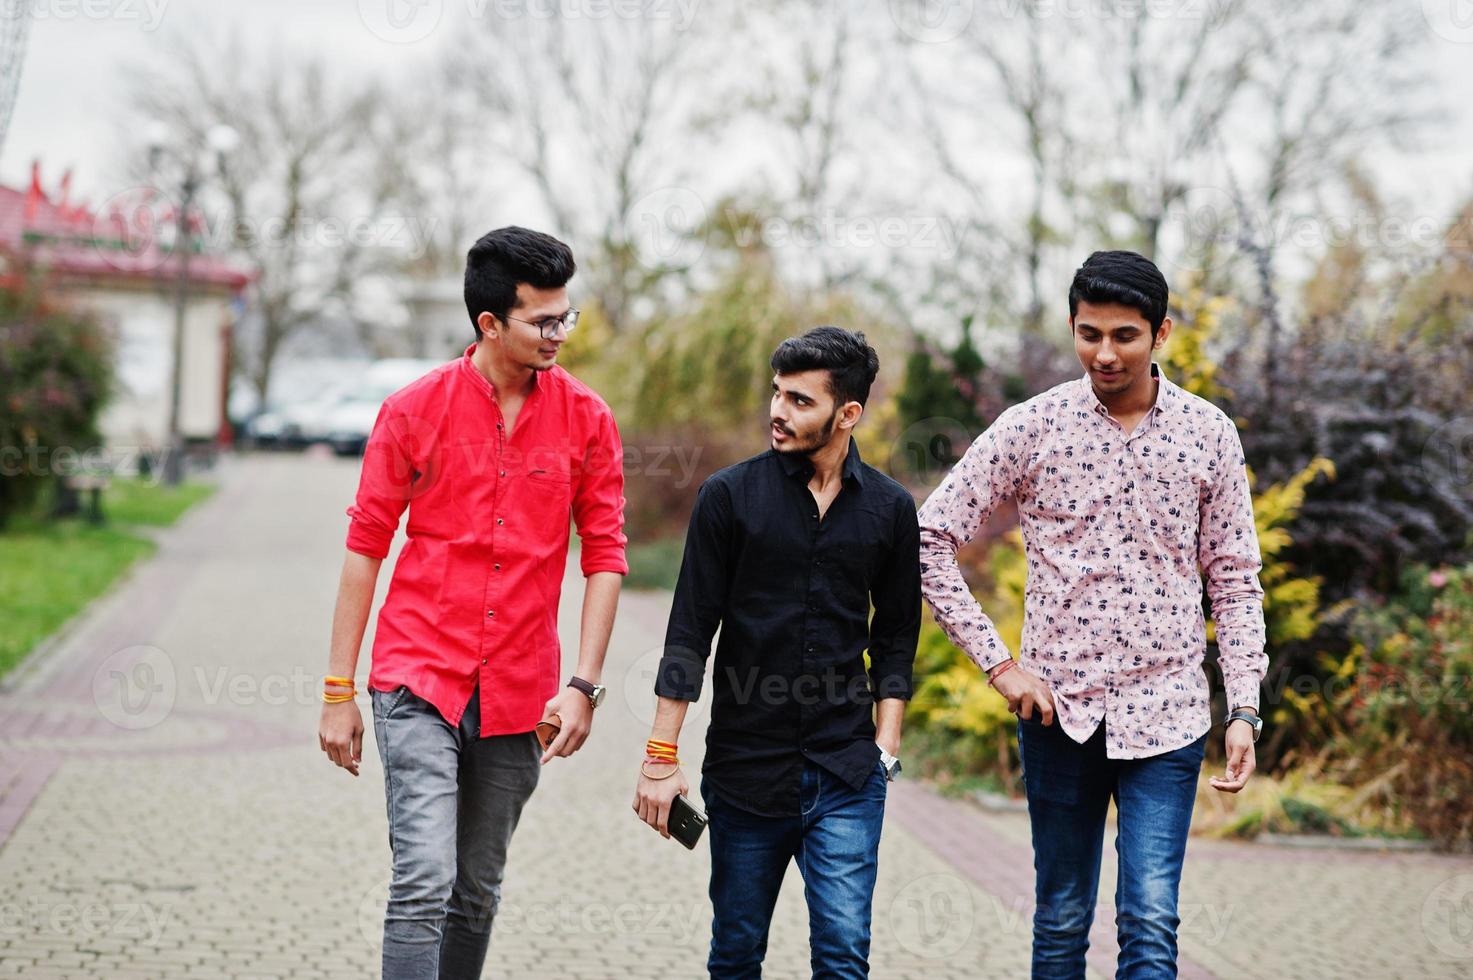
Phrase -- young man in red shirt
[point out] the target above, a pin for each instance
(489, 454)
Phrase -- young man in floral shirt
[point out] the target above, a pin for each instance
(1125, 484)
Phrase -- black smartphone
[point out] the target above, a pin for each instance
(686, 822)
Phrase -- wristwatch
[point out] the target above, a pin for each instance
(594, 692)
(1238, 714)
(891, 764)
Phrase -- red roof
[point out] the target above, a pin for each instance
(128, 238)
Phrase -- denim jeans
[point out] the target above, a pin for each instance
(1069, 787)
(454, 799)
(835, 839)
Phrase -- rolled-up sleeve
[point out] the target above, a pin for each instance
(1228, 553)
(986, 475)
(384, 487)
(896, 625)
(598, 504)
(700, 596)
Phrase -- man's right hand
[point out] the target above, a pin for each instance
(1026, 693)
(653, 797)
(340, 733)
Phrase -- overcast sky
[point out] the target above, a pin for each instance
(71, 92)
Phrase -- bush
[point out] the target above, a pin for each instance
(55, 375)
(1408, 727)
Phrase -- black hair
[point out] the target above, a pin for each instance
(1126, 278)
(851, 363)
(505, 257)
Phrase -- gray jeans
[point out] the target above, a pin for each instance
(454, 799)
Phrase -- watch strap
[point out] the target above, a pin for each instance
(1254, 721)
(585, 688)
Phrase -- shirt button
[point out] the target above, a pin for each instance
(810, 648)
(497, 566)
(500, 521)
(483, 661)
(491, 613)
(503, 472)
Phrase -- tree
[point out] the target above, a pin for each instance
(304, 192)
(585, 112)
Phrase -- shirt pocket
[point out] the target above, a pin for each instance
(548, 495)
(1176, 513)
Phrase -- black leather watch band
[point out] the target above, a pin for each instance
(1254, 721)
(593, 692)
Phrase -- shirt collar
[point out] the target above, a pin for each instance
(469, 367)
(1164, 393)
(796, 463)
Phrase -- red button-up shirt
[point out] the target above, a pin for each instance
(474, 595)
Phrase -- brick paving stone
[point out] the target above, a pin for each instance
(212, 838)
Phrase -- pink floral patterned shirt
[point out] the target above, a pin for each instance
(1115, 526)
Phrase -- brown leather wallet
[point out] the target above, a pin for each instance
(547, 730)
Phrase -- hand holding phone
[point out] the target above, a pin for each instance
(686, 822)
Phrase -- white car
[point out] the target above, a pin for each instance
(346, 424)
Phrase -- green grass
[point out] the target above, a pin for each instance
(136, 502)
(51, 569)
(654, 564)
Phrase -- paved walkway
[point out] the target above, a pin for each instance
(165, 812)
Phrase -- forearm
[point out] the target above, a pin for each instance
(1240, 646)
(350, 614)
(953, 606)
(889, 715)
(669, 716)
(600, 603)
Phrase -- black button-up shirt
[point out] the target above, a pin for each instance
(792, 596)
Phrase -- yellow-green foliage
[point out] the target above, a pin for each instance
(1185, 354)
(1291, 604)
(952, 698)
(708, 367)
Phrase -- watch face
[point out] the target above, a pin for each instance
(597, 697)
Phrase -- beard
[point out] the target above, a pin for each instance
(814, 441)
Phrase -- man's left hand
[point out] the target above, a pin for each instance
(1240, 758)
(576, 712)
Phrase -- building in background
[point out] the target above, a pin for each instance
(119, 264)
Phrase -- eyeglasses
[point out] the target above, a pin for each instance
(548, 326)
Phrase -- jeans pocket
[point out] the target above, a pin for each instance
(1052, 762)
(384, 702)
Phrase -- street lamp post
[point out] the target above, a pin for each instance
(221, 140)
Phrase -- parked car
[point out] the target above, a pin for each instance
(345, 425)
(297, 424)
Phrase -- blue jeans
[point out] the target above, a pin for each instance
(454, 799)
(835, 839)
(1069, 787)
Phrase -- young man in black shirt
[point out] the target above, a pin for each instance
(786, 552)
